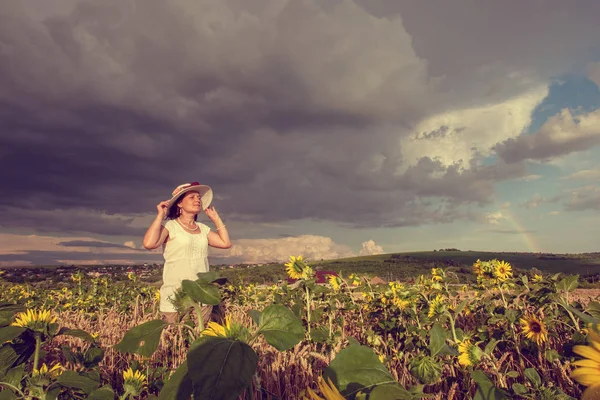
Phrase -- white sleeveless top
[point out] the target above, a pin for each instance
(185, 255)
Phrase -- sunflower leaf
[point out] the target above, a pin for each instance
(221, 368)
(142, 339)
(280, 327)
(357, 367)
(486, 390)
(202, 292)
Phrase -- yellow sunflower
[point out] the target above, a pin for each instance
(231, 330)
(328, 390)
(34, 320)
(534, 329)
(503, 271)
(436, 306)
(469, 354)
(133, 382)
(588, 373)
(477, 268)
(401, 303)
(354, 279)
(437, 275)
(335, 282)
(296, 267)
(53, 372)
(217, 330)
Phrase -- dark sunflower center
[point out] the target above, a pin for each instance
(535, 327)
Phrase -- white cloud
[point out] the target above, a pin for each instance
(584, 198)
(494, 218)
(311, 247)
(561, 134)
(369, 248)
(585, 175)
(535, 201)
(553, 213)
(462, 134)
(529, 178)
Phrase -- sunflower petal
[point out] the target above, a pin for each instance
(587, 363)
(587, 352)
(586, 376)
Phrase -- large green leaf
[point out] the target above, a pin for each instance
(437, 341)
(486, 390)
(8, 395)
(210, 277)
(142, 339)
(390, 392)
(179, 385)
(14, 376)
(280, 327)
(12, 307)
(533, 377)
(93, 356)
(202, 292)
(6, 318)
(357, 367)
(255, 315)
(8, 333)
(78, 333)
(221, 368)
(72, 379)
(319, 335)
(8, 357)
(568, 284)
(594, 309)
(103, 393)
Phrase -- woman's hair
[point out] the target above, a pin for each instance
(173, 211)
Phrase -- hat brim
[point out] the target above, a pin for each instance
(206, 195)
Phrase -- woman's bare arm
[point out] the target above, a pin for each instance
(220, 237)
(157, 233)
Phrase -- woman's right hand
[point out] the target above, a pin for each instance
(163, 209)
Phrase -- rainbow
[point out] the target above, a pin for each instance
(528, 239)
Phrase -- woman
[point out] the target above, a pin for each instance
(185, 242)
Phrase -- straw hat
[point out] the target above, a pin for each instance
(206, 193)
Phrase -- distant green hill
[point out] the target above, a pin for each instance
(399, 265)
(407, 266)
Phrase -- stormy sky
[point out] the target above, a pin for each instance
(327, 128)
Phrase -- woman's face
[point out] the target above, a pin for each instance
(191, 202)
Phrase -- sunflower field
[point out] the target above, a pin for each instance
(503, 337)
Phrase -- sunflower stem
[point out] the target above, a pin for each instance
(14, 388)
(38, 348)
(307, 308)
(451, 319)
(502, 294)
(198, 309)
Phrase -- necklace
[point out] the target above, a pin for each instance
(182, 224)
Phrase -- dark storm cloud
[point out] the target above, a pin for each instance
(288, 110)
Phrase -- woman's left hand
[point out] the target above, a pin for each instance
(212, 213)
